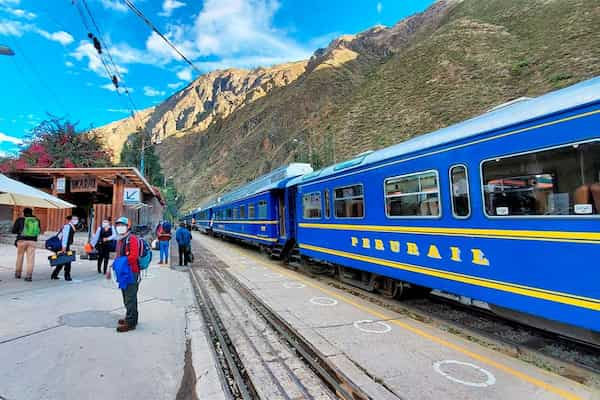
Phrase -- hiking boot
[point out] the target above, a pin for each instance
(27, 278)
(53, 277)
(125, 328)
(68, 278)
(122, 322)
(17, 276)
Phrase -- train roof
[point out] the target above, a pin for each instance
(502, 116)
(273, 180)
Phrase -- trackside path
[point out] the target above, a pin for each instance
(410, 359)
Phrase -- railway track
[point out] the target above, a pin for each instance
(261, 356)
(571, 359)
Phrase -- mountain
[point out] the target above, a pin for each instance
(370, 90)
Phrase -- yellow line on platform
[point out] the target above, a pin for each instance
(443, 342)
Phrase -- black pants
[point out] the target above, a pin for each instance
(183, 254)
(130, 301)
(103, 256)
(59, 267)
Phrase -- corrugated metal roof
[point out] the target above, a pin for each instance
(499, 117)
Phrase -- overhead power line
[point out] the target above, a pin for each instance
(147, 21)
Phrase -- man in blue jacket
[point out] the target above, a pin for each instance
(184, 241)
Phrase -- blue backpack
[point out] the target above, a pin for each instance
(166, 227)
(145, 257)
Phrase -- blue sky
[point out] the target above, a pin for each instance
(56, 69)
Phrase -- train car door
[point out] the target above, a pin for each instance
(290, 201)
(281, 210)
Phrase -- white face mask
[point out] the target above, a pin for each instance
(121, 229)
(105, 224)
(74, 221)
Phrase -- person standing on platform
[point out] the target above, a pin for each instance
(163, 234)
(104, 241)
(127, 272)
(67, 236)
(27, 229)
(184, 242)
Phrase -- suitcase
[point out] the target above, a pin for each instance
(62, 258)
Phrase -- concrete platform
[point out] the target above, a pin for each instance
(412, 360)
(58, 338)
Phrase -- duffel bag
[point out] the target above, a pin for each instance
(62, 258)
(53, 244)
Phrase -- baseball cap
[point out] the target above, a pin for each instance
(122, 220)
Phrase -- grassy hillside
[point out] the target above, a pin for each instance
(363, 96)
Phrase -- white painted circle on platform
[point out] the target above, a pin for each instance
(323, 301)
(293, 285)
(273, 275)
(384, 328)
(490, 378)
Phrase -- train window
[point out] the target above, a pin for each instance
(459, 185)
(229, 213)
(311, 205)
(326, 201)
(413, 195)
(262, 209)
(236, 213)
(552, 182)
(349, 202)
(251, 211)
(242, 212)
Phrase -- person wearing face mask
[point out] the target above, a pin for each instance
(103, 241)
(67, 235)
(127, 272)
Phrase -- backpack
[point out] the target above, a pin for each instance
(145, 257)
(31, 227)
(54, 244)
(166, 227)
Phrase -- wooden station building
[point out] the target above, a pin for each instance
(96, 192)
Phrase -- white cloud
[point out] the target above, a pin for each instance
(17, 28)
(170, 5)
(119, 110)
(86, 50)
(379, 7)
(114, 5)
(10, 139)
(19, 13)
(175, 85)
(69, 64)
(151, 92)
(110, 87)
(61, 37)
(185, 74)
(10, 2)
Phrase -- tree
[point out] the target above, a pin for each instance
(131, 154)
(57, 143)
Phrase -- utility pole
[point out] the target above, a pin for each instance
(143, 133)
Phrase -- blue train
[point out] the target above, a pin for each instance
(502, 210)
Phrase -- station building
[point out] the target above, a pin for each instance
(96, 192)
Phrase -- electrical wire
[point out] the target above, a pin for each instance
(147, 21)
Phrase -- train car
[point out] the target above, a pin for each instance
(256, 212)
(502, 209)
(203, 217)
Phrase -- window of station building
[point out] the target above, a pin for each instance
(311, 205)
(413, 195)
(262, 209)
(562, 181)
(459, 185)
(242, 212)
(251, 211)
(326, 201)
(349, 202)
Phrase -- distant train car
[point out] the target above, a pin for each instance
(256, 212)
(503, 208)
(202, 218)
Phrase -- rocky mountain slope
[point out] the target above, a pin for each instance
(366, 91)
